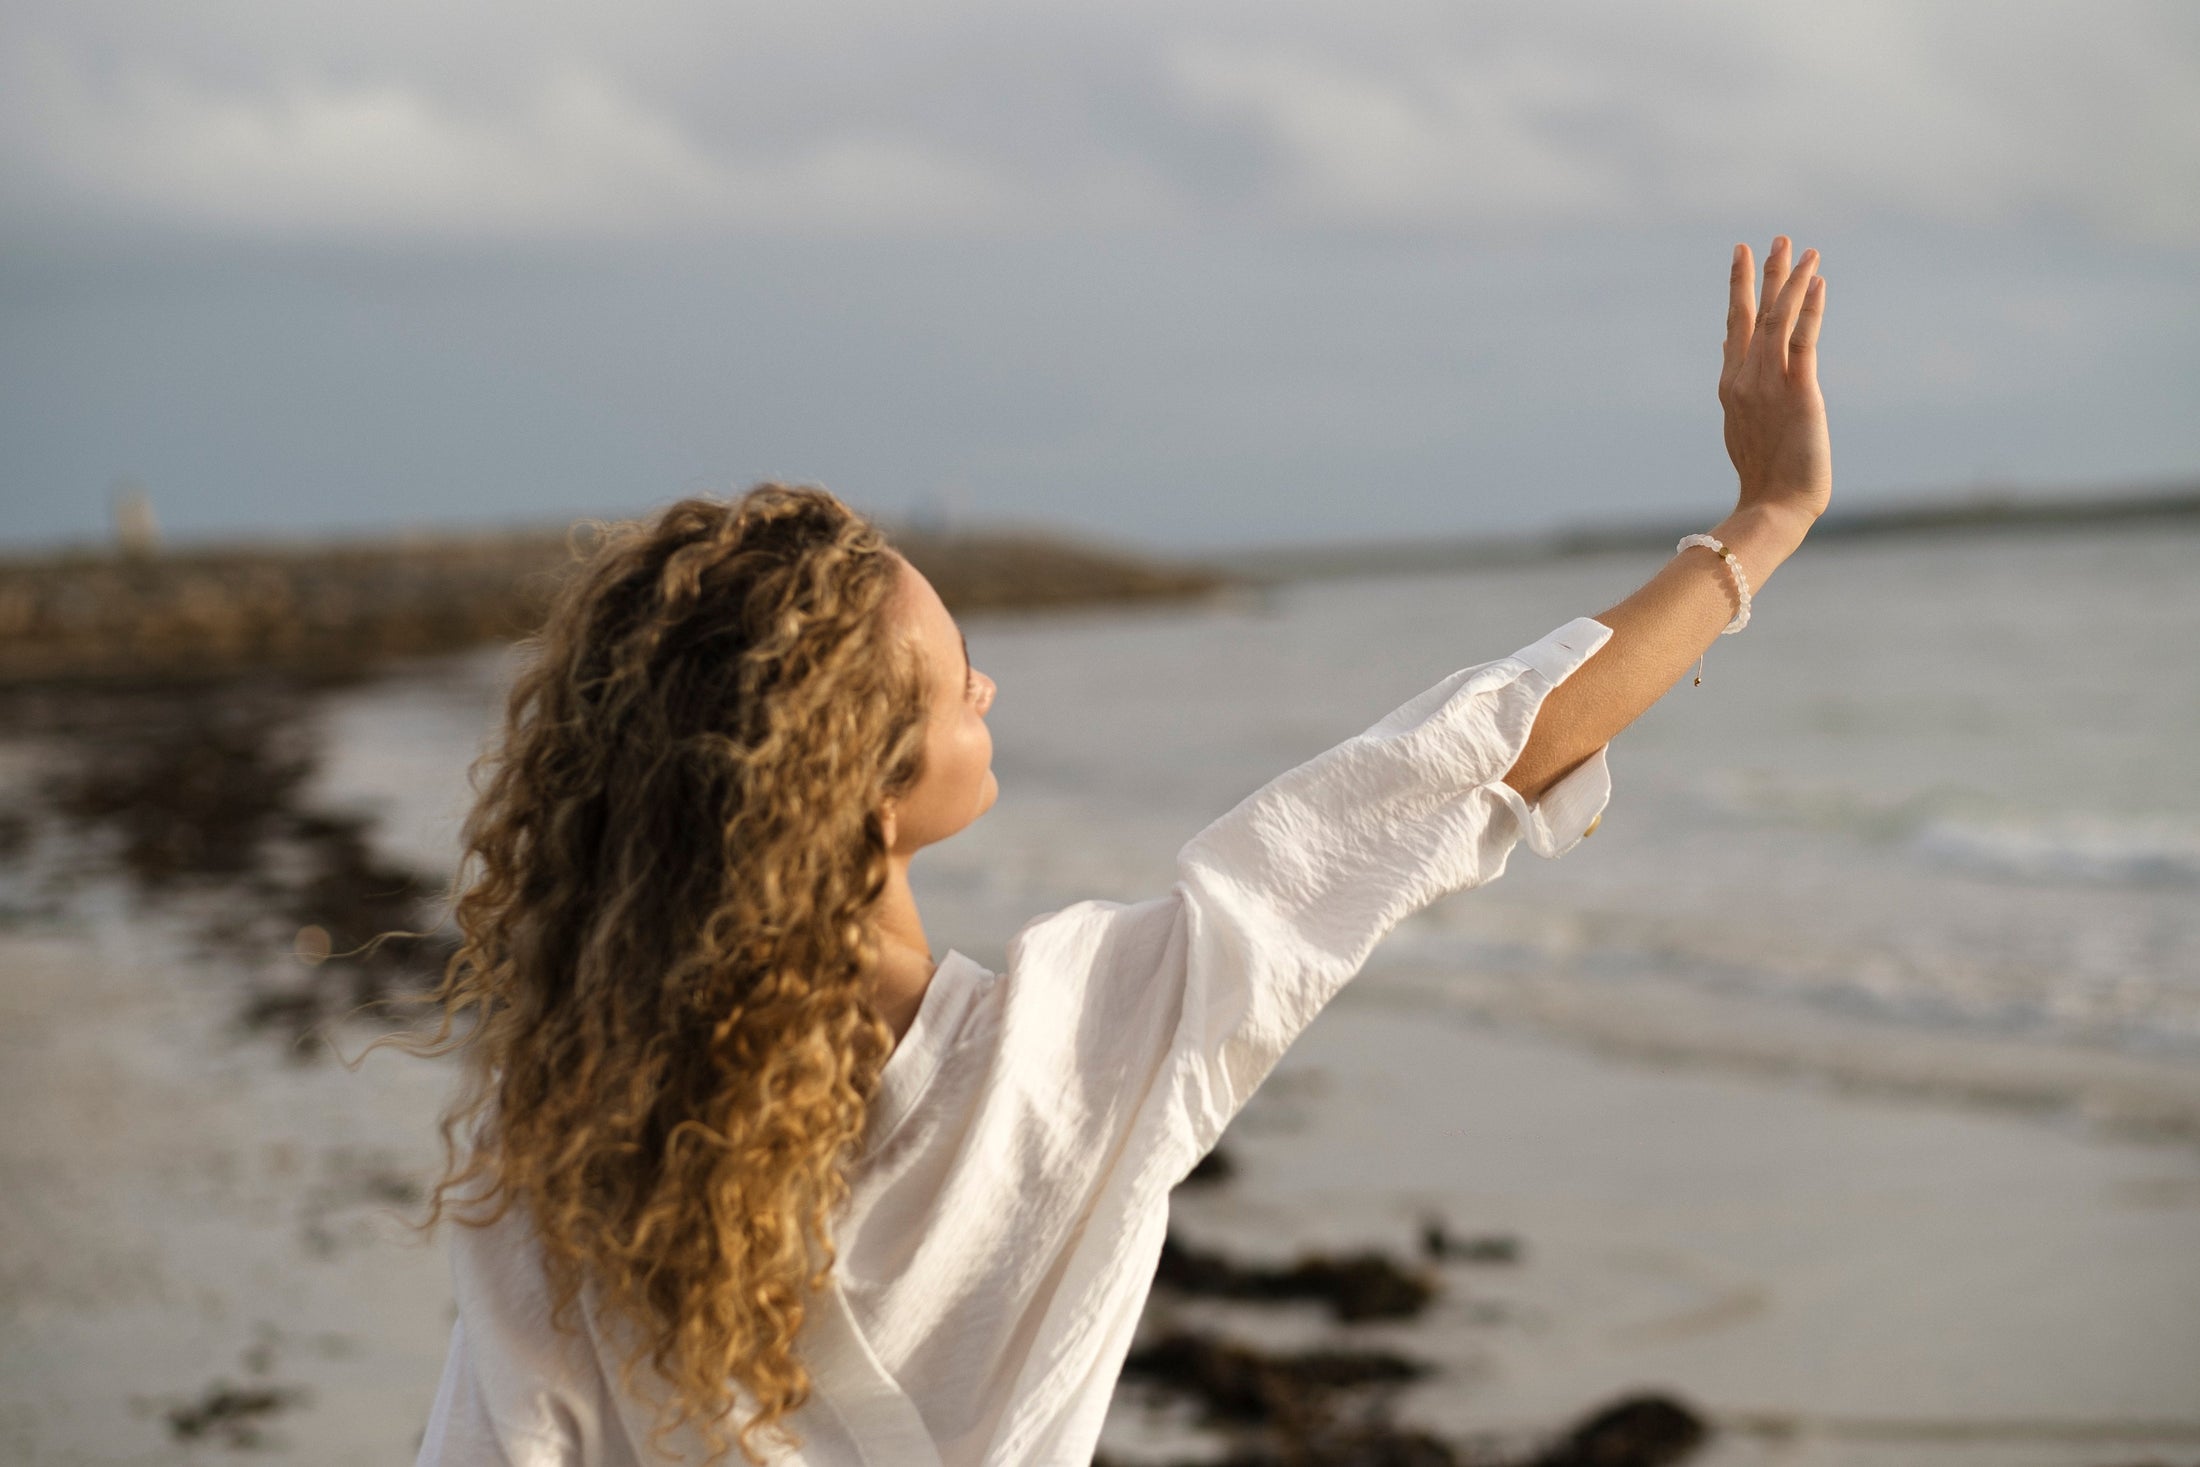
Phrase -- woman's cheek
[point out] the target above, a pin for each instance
(988, 785)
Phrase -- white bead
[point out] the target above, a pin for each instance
(1733, 564)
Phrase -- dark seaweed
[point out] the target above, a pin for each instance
(194, 797)
(231, 1415)
(1355, 1287)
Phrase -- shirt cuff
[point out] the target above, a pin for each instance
(1571, 808)
(1569, 811)
(1557, 653)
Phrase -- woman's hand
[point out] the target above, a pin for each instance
(1775, 417)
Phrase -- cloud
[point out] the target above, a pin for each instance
(573, 156)
(292, 156)
(1947, 113)
(669, 117)
(1418, 144)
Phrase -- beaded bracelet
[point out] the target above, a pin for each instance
(1741, 586)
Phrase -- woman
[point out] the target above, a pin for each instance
(745, 1166)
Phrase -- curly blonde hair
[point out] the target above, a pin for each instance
(667, 923)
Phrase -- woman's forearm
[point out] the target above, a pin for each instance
(1657, 635)
(1776, 437)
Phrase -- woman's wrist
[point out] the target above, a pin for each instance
(1762, 536)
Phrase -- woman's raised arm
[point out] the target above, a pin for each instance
(1776, 436)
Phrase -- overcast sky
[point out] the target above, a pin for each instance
(1186, 275)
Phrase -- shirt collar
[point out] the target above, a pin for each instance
(910, 1068)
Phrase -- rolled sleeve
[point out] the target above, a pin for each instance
(1570, 809)
(1283, 899)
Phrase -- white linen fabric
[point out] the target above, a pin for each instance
(1010, 1201)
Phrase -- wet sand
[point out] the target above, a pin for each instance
(1828, 1278)
(186, 1212)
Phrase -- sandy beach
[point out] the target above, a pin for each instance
(1831, 1278)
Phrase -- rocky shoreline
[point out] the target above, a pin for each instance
(1988, 512)
(338, 610)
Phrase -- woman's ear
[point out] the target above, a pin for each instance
(886, 822)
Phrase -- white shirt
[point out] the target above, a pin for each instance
(1009, 1205)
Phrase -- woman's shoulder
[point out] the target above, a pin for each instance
(496, 1261)
(1086, 938)
(502, 1288)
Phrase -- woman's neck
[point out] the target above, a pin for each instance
(905, 964)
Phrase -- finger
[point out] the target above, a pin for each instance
(1780, 315)
(1741, 308)
(1776, 274)
(1803, 349)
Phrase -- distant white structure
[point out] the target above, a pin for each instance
(136, 531)
(944, 510)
